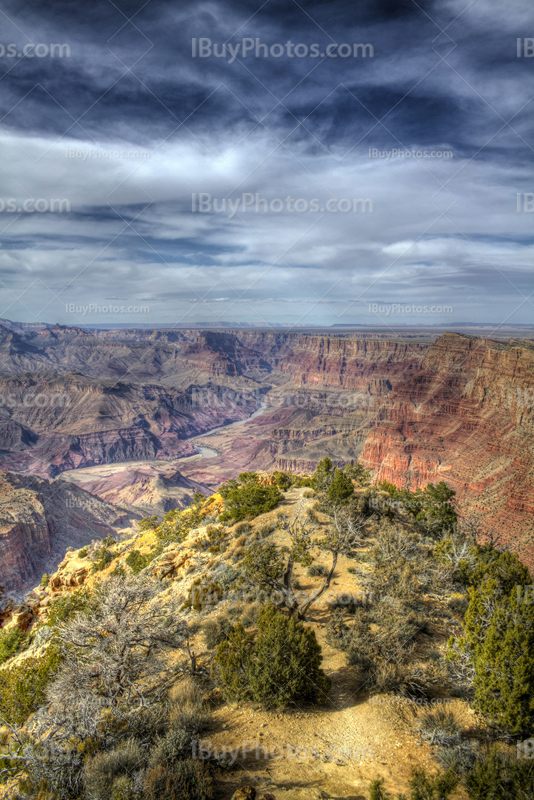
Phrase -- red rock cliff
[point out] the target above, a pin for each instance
(466, 418)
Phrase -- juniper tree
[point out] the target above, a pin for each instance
(280, 665)
(270, 568)
(340, 488)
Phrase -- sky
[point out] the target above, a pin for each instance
(311, 163)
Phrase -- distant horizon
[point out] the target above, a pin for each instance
(206, 325)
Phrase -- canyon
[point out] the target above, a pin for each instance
(457, 409)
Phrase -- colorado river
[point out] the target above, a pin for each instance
(106, 470)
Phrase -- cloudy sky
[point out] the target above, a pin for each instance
(267, 161)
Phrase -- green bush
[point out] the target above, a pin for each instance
(83, 552)
(247, 498)
(432, 787)
(322, 477)
(284, 480)
(280, 665)
(24, 684)
(493, 777)
(64, 608)
(505, 568)
(103, 557)
(498, 777)
(340, 488)
(11, 642)
(232, 663)
(137, 561)
(503, 661)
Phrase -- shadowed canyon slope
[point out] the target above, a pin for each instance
(457, 410)
(40, 519)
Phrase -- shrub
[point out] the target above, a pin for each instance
(286, 662)
(460, 758)
(203, 595)
(439, 726)
(186, 780)
(432, 787)
(247, 498)
(137, 561)
(102, 558)
(265, 530)
(280, 665)
(316, 570)
(110, 775)
(83, 552)
(45, 579)
(175, 746)
(505, 568)
(250, 614)
(189, 712)
(227, 576)
(10, 642)
(504, 661)
(65, 608)
(216, 630)
(377, 790)
(284, 480)
(340, 488)
(24, 684)
(231, 663)
(323, 474)
(242, 528)
(459, 603)
(497, 777)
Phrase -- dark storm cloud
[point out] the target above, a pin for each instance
(276, 128)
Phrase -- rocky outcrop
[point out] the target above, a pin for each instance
(466, 418)
(148, 488)
(40, 519)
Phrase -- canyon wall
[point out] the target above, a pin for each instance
(466, 418)
(457, 410)
(39, 519)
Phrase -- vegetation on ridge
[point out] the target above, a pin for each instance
(215, 598)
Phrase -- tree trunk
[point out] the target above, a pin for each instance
(305, 607)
